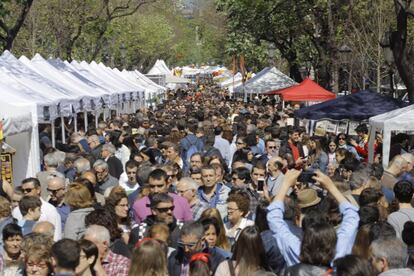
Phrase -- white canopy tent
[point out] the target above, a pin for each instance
(159, 68)
(269, 79)
(396, 120)
(18, 112)
(173, 82)
(93, 98)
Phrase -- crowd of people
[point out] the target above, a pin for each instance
(203, 184)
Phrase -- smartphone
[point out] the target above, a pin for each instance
(260, 184)
(306, 177)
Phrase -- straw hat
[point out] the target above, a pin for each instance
(308, 198)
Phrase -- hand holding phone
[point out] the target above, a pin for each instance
(260, 185)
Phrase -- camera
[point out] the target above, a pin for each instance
(306, 177)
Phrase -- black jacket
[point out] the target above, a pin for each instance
(115, 167)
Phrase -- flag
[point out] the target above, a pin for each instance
(1, 130)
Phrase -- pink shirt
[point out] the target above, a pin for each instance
(182, 210)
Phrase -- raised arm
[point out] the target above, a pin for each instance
(288, 243)
(347, 231)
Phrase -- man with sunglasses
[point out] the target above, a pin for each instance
(157, 183)
(272, 149)
(56, 189)
(31, 187)
(162, 207)
(192, 241)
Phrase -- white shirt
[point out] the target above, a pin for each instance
(223, 146)
(233, 232)
(48, 213)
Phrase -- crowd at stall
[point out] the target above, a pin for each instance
(205, 184)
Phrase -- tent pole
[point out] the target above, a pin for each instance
(283, 104)
(75, 122)
(371, 145)
(97, 113)
(53, 133)
(85, 119)
(62, 126)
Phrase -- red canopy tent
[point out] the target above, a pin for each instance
(306, 91)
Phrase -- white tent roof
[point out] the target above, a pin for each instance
(15, 73)
(159, 68)
(397, 120)
(232, 80)
(269, 79)
(145, 80)
(110, 97)
(71, 83)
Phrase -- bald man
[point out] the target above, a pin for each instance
(275, 178)
(56, 187)
(44, 227)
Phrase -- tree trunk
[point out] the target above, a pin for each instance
(403, 57)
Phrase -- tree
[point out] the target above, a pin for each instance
(12, 17)
(403, 55)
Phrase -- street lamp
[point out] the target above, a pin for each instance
(388, 57)
(345, 52)
(123, 51)
(271, 49)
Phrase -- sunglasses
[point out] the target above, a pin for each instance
(165, 210)
(190, 244)
(272, 147)
(27, 190)
(341, 138)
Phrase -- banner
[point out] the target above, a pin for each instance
(6, 163)
(1, 130)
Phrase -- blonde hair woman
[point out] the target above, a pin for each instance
(80, 201)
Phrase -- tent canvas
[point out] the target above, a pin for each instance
(269, 79)
(396, 120)
(357, 107)
(306, 91)
(160, 68)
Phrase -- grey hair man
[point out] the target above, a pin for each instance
(191, 241)
(51, 162)
(112, 263)
(95, 145)
(115, 165)
(187, 188)
(389, 257)
(82, 165)
(104, 179)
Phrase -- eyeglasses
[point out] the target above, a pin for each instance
(341, 138)
(272, 147)
(53, 191)
(39, 265)
(27, 190)
(232, 209)
(189, 244)
(165, 210)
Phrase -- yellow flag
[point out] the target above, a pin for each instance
(1, 130)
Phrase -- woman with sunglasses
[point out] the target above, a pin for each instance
(342, 142)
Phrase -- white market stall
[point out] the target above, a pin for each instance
(397, 120)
